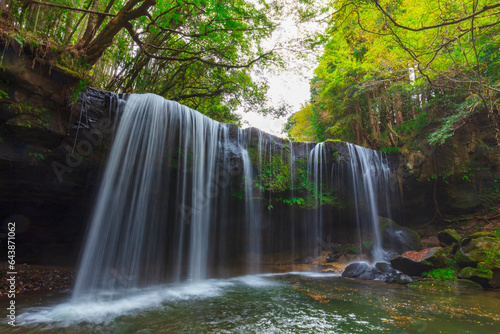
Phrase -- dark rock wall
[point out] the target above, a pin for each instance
(459, 177)
(50, 169)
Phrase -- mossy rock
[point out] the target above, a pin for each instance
(480, 276)
(484, 251)
(464, 284)
(449, 237)
(450, 285)
(415, 263)
(495, 280)
(463, 260)
(481, 235)
(398, 238)
(438, 259)
(28, 121)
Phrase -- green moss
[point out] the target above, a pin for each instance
(82, 85)
(68, 71)
(354, 250)
(463, 261)
(464, 284)
(482, 235)
(497, 232)
(442, 274)
(367, 244)
(449, 285)
(449, 237)
(470, 272)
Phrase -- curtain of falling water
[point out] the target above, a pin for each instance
(252, 208)
(163, 210)
(125, 246)
(370, 178)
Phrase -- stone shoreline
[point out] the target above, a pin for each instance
(37, 278)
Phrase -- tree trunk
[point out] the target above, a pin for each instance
(372, 117)
(68, 28)
(398, 113)
(94, 50)
(91, 27)
(357, 122)
(392, 134)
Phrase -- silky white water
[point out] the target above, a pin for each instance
(167, 208)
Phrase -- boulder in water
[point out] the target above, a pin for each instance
(480, 276)
(415, 263)
(398, 238)
(385, 267)
(355, 269)
(403, 279)
(359, 270)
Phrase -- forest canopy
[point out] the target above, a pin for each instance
(392, 68)
(200, 53)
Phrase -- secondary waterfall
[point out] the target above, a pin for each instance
(184, 197)
(370, 174)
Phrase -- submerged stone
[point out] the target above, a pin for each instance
(398, 238)
(403, 279)
(385, 267)
(450, 285)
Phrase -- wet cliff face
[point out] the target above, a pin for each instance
(48, 172)
(459, 177)
(53, 148)
(52, 163)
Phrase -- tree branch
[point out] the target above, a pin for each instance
(68, 7)
(143, 48)
(444, 24)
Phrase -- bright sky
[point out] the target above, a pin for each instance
(290, 86)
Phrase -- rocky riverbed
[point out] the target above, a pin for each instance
(37, 278)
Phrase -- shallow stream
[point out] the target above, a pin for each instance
(268, 303)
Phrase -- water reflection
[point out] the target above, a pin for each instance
(272, 303)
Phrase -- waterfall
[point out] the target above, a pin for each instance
(125, 246)
(252, 209)
(370, 176)
(184, 197)
(317, 172)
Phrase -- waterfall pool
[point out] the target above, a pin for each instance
(266, 303)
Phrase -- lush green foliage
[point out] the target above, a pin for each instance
(393, 71)
(200, 53)
(275, 180)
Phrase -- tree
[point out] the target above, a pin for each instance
(453, 44)
(198, 52)
(391, 67)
